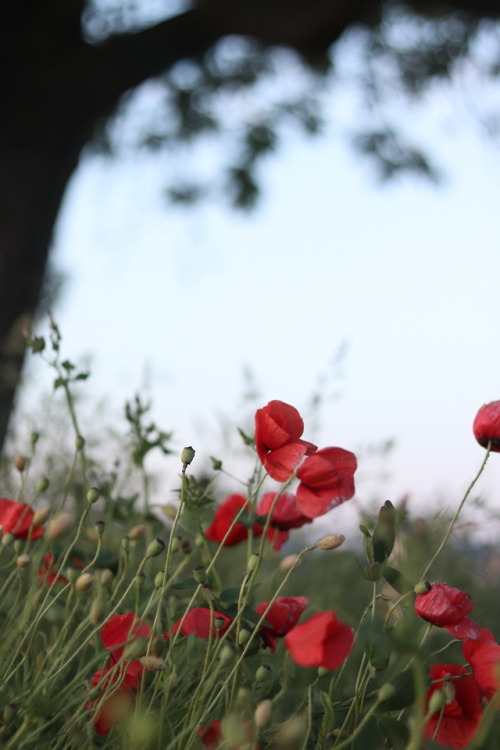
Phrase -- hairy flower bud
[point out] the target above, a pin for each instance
(153, 663)
(20, 463)
(40, 516)
(58, 526)
(330, 541)
(137, 532)
(84, 582)
(42, 484)
(262, 714)
(22, 561)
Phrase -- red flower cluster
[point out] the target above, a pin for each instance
(286, 515)
(483, 654)
(448, 608)
(326, 480)
(278, 427)
(321, 641)
(282, 616)
(486, 426)
(119, 678)
(47, 574)
(223, 520)
(455, 724)
(198, 621)
(17, 519)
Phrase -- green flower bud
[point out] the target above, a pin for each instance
(226, 655)
(42, 484)
(436, 702)
(159, 579)
(8, 539)
(263, 672)
(155, 547)
(243, 637)
(97, 611)
(22, 561)
(34, 438)
(72, 574)
(93, 495)
(253, 562)
(79, 443)
(139, 580)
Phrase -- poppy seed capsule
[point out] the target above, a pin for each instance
(187, 455)
(8, 539)
(422, 587)
(155, 547)
(93, 495)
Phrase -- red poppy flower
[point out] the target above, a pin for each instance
(278, 427)
(223, 520)
(281, 617)
(17, 519)
(198, 621)
(456, 724)
(486, 425)
(47, 574)
(120, 630)
(212, 736)
(483, 654)
(286, 515)
(326, 480)
(322, 641)
(443, 605)
(116, 707)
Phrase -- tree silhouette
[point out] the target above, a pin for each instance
(66, 66)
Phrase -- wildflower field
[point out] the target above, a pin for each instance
(189, 626)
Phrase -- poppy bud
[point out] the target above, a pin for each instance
(330, 541)
(20, 463)
(106, 576)
(58, 526)
(40, 516)
(79, 443)
(8, 539)
(97, 611)
(262, 714)
(486, 426)
(154, 663)
(42, 484)
(84, 582)
(226, 655)
(22, 561)
(137, 532)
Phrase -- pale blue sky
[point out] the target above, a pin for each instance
(408, 274)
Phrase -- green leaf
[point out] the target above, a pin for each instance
(404, 696)
(397, 580)
(395, 733)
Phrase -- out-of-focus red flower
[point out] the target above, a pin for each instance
(321, 641)
(197, 621)
(278, 427)
(117, 707)
(286, 515)
(47, 574)
(212, 736)
(483, 654)
(456, 724)
(224, 517)
(281, 617)
(326, 480)
(17, 519)
(447, 607)
(120, 630)
(486, 425)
